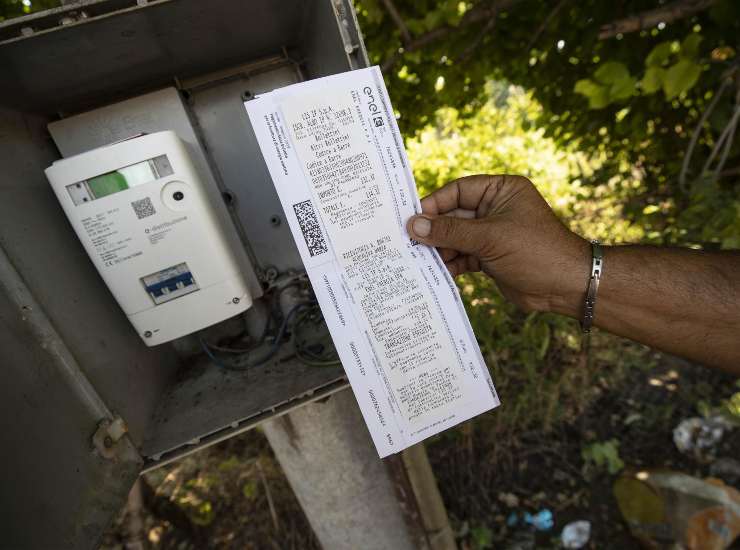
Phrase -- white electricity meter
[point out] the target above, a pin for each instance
(139, 208)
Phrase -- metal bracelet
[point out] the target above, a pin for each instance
(597, 267)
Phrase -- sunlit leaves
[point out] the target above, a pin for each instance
(680, 77)
(603, 454)
(677, 78)
(690, 45)
(659, 55)
(611, 82)
(643, 137)
(597, 95)
(653, 80)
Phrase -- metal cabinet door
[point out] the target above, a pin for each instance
(56, 490)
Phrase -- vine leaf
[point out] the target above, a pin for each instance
(612, 82)
(690, 46)
(658, 55)
(597, 95)
(653, 79)
(680, 77)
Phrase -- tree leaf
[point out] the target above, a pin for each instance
(658, 55)
(622, 89)
(680, 77)
(611, 72)
(597, 95)
(653, 80)
(690, 46)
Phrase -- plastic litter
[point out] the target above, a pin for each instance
(699, 437)
(576, 534)
(541, 521)
(663, 507)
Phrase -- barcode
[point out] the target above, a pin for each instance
(310, 228)
(143, 208)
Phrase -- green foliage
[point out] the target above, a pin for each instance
(15, 8)
(653, 79)
(659, 55)
(603, 454)
(680, 78)
(532, 357)
(677, 78)
(597, 95)
(611, 83)
(629, 102)
(731, 407)
(191, 499)
(482, 537)
(249, 490)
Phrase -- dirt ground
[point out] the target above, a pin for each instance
(234, 495)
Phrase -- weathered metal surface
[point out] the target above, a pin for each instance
(72, 364)
(42, 246)
(58, 491)
(134, 49)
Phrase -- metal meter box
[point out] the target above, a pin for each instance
(87, 405)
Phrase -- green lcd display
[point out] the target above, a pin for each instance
(119, 180)
(107, 184)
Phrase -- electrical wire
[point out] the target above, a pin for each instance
(240, 351)
(277, 288)
(266, 357)
(303, 351)
(305, 313)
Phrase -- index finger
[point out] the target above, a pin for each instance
(463, 193)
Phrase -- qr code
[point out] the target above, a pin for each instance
(310, 228)
(143, 208)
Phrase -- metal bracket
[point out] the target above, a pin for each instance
(107, 436)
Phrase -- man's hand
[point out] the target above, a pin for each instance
(502, 226)
(685, 302)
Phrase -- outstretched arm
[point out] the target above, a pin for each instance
(681, 301)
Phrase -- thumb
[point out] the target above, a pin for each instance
(462, 234)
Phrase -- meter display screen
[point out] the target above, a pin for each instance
(119, 180)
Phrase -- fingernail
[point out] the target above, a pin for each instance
(422, 227)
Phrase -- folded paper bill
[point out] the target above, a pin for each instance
(337, 160)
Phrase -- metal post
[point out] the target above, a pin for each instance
(348, 494)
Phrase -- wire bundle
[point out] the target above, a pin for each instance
(302, 319)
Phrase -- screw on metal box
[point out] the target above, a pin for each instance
(235, 300)
(271, 273)
(275, 220)
(148, 334)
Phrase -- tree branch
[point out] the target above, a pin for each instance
(479, 13)
(390, 7)
(486, 29)
(647, 19)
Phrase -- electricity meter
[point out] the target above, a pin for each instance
(140, 211)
